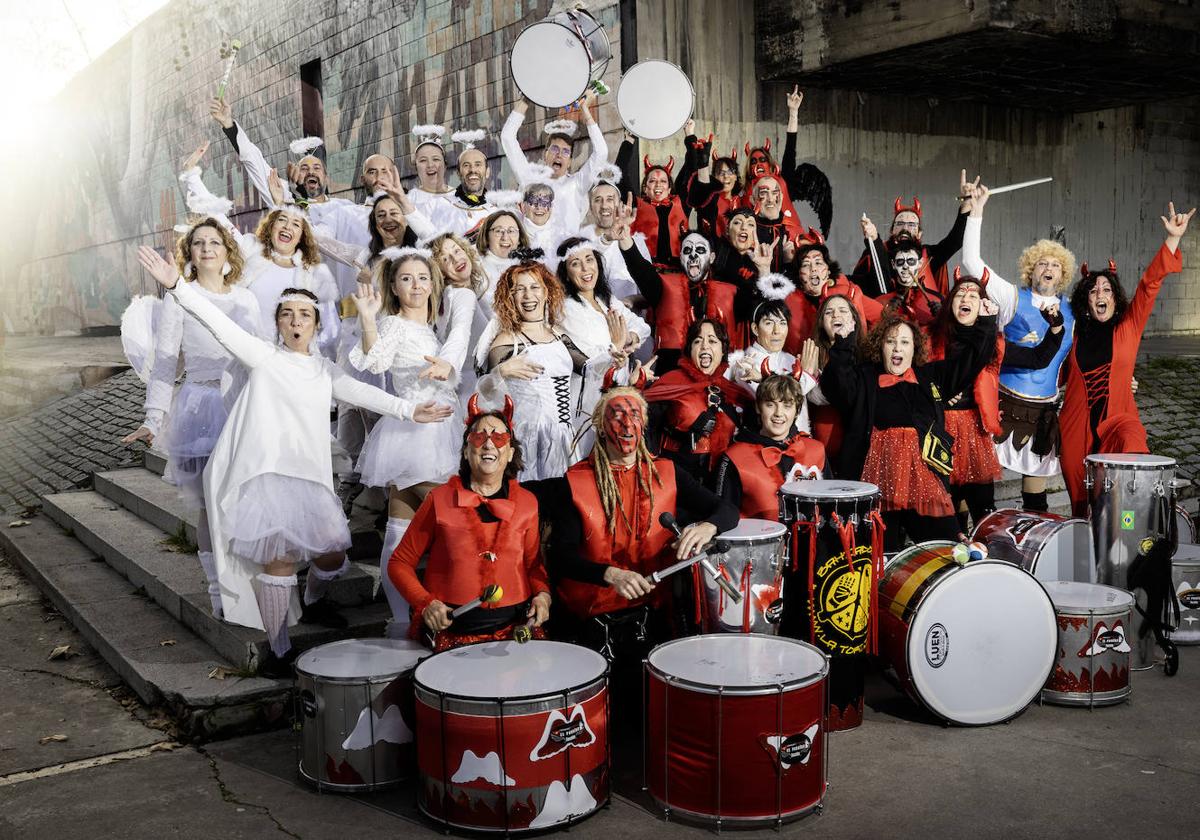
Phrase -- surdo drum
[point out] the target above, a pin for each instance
(1185, 576)
(356, 709)
(974, 644)
(654, 99)
(736, 728)
(554, 60)
(754, 565)
(1048, 546)
(514, 737)
(1093, 652)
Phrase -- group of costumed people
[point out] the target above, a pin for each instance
(534, 377)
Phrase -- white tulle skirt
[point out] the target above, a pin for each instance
(279, 516)
(197, 416)
(402, 453)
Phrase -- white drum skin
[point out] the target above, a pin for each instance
(655, 98)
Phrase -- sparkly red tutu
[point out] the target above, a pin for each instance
(975, 460)
(894, 465)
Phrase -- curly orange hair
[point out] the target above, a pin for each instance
(505, 305)
(307, 246)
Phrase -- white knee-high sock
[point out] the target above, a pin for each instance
(398, 627)
(209, 564)
(318, 581)
(274, 595)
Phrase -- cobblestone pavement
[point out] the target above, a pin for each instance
(1168, 399)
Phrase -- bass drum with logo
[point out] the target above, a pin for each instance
(974, 644)
(1048, 546)
(735, 728)
(754, 565)
(1185, 576)
(1093, 653)
(513, 737)
(356, 713)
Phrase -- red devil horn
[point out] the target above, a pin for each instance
(710, 137)
(473, 409)
(957, 273)
(1083, 271)
(917, 206)
(670, 165)
(747, 150)
(508, 410)
(767, 145)
(987, 275)
(645, 164)
(899, 205)
(1112, 265)
(764, 369)
(609, 376)
(733, 154)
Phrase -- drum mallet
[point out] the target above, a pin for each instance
(719, 546)
(491, 595)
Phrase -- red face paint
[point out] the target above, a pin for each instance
(624, 424)
(758, 163)
(478, 439)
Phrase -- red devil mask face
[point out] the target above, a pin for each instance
(760, 164)
(624, 423)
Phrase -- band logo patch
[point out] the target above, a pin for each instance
(563, 732)
(841, 598)
(792, 749)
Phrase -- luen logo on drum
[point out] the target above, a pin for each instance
(937, 646)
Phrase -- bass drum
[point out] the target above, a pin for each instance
(655, 98)
(1048, 546)
(554, 60)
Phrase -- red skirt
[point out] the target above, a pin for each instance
(894, 465)
(975, 460)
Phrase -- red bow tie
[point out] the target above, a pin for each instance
(886, 380)
(500, 508)
(772, 455)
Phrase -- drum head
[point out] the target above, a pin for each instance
(744, 664)
(550, 65)
(981, 643)
(754, 529)
(361, 658)
(1070, 596)
(824, 489)
(1137, 461)
(654, 99)
(510, 670)
(1069, 553)
(1186, 555)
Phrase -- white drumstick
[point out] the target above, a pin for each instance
(1022, 185)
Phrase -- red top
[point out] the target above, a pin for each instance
(673, 314)
(804, 314)
(758, 470)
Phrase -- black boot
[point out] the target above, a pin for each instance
(277, 667)
(1035, 501)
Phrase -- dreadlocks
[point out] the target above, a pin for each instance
(610, 493)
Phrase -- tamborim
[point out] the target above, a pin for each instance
(555, 60)
(655, 98)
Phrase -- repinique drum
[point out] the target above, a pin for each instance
(754, 564)
(1185, 575)
(1131, 498)
(736, 728)
(1048, 546)
(554, 60)
(654, 99)
(356, 710)
(514, 737)
(974, 644)
(837, 551)
(1093, 653)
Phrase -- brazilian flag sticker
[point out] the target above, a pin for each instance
(1127, 520)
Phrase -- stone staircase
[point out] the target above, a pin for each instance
(108, 559)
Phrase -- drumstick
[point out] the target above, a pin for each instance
(667, 520)
(491, 595)
(1019, 186)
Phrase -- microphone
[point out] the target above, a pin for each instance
(667, 520)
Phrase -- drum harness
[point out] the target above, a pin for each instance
(1150, 571)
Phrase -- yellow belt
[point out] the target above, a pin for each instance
(347, 308)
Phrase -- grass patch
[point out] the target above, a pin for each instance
(179, 542)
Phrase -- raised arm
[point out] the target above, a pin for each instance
(513, 152)
(598, 156)
(1168, 260)
(347, 389)
(253, 162)
(1002, 292)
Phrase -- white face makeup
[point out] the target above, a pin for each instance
(696, 255)
(907, 266)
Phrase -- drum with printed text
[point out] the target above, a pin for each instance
(1092, 668)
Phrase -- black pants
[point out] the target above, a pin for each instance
(902, 524)
(980, 499)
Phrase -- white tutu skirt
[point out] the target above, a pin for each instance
(402, 453)
(198, 414)
(279, 516)
(545, 449)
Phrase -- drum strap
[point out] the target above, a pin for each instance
(877, 529)
(744, 588)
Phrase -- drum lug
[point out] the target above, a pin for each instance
(1108, 483)
(1088, 481)
(1160, 489)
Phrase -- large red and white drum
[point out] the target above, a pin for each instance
(1093, 653)
(736, 728)
(1048, 546)
(512, 737)
(974, 644)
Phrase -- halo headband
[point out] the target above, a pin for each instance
(393, 254)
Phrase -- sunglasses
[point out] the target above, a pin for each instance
(540, 201)
(906, 262)
(498, 439)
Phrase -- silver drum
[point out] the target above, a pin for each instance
(754, 565)
(1185, 575)
(356, 712)
(1092, 667)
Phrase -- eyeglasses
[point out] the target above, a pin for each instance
(907, 225)
(498, 439)
(558, 151)
(540, 201)
(906, 262)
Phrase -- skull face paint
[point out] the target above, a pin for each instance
(695, 253)
(624, 423)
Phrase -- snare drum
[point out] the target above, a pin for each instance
(554, 60)
(356, 713)
(753, 564)
(974, 644)
(1048, 546)
(513, 737)
(1185, 575)
(829, 595)
(735, 728)
(1093, 653)
(654, 99)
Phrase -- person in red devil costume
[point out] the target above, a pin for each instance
(715, 190)
(836, 318)
(910, 298)
(659, 213)
(821, 277)
(1098, 412)
(907, 232)
(696, 410)
(759, 463)
(479, 528)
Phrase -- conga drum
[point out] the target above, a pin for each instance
(1048, 546)
(1092, 668)
(1185, 575)
(735, 728)
(973, 644)
(555, 60)
(513, 737)
(356, 713)
(837, 557)
(754, 565)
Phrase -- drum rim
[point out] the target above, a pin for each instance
(625, 75)
(1081, 611)
(859, 496)
(729, 536)
(586, 84)
(737, 691)
(767, 819)
(361, 680)
(523, 699)
(1098, 458)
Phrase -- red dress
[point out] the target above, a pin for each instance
(1120, 428)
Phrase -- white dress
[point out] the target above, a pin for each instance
(398, 452)
(493, 267)
(269, 480)
(588, 330)
(780, 362)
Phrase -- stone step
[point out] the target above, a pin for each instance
(135, 549)
(155, 461)
(1059, 502)
(1009, 485)
(129, 630)
(149, 497)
